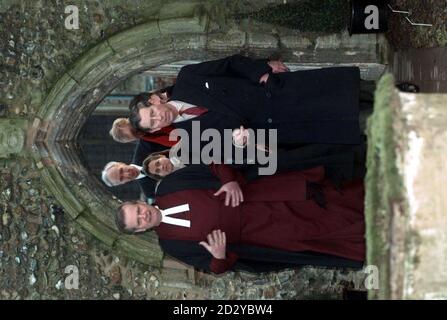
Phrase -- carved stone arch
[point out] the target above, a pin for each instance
(74, 97)
(77, 93)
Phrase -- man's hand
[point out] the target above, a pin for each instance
(216, 244)
(234, 193)
(277, 67)
(240, 137)
(264, 78)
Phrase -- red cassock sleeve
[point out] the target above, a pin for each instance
(223, 265)
(288, 186)
(227, 174)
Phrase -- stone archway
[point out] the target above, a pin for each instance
(74, 97)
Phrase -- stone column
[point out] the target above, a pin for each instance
(406, 202)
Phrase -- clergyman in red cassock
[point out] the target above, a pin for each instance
(276, 225)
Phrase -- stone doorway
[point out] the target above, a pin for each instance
(52, 136)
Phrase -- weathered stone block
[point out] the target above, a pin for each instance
(130, 40)
(92, 59)
(406, 198)
(262, 40)
(332, 41)
(383, 184)
(63, 194)
(143, 249)
(103, 232)
(12, 136)
(190, 41)
(57, 96)
(179, 9)
(233, 39)
(422, 123)
(363, 42)
(296, 42)
(196, 24)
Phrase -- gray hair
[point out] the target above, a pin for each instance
(104, 175)
(116, 132)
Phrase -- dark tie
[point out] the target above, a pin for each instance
(195, 111)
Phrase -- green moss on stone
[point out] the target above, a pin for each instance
(383, 182)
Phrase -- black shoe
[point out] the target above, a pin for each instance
(408, 87)
(349, 294)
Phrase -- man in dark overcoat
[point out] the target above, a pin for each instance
(312, 106)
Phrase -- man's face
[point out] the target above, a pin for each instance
(141, 216)
(157, 98)
(162, 166)
(155, 117)
(122, 173)
(127, 131)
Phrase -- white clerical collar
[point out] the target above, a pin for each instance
(180, 106)
(177, 163)
(142, 175)
(174, 156)
(175, 221)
